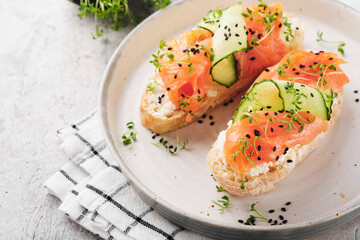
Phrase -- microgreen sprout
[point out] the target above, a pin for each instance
(117, 12)
(223, 203)
(340, 44)
(170, 148)
(220, 189)
(129, 136)
(252, 218)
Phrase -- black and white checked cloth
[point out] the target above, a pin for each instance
(96, 195)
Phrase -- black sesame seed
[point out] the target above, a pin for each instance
(268, 107)
(277, 158)
(288, 203)
(246, 223)
(281, 217)
(266, 114)
(274, 148)
(171, 146)
(294, 69)
(204, 116)
(228, 29)
(212, 123)
(317, 53)
(311, 94)
(168, 89)
(281, 126)
(210, 117)
(261, 109)
(179, 64)
(297, 73)
(286, 149)
(275, 222)
(331, 58)
(259, 148)
(205, 54)
(252, 58)
(225, 27)
(321, 74)
(302, 66)
(308, 111)
(270, 220)
(237, 35)
(357, 100)
(259, 158)
(289, 161)
(225, 35)
(271, 129)
(239, 43)
(225, 104)
(275, 113)
(257, 133)
(280, 25)
(196, 45)
(247, 32)
(315, 63)
(231, 100)
(161, 140)
(356, 91)
(310, 66)
(183, 95)
(297, 28)
(271, 211)
(248, 136)
(153, 137)
(169, 48)
(157, 134)
(236, 25)
(241, 221)
(284, 222)
(283, 209)
(267, 70)
(200, 121)
(162, 96)
(229, 34)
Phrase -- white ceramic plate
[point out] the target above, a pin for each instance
(324, 189)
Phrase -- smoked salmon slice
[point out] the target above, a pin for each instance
(314, 69)
(261, 141)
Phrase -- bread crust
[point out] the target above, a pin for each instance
(179, 119)
(263, 183)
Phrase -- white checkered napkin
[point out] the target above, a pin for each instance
(96, 195)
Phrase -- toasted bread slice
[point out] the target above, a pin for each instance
(264, 182)
(164, 116)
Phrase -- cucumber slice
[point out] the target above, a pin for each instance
(264, 95)
(225, 71)
(230, 37)
(329, 97)
(274, 95)
(211, 21)
(313, 103)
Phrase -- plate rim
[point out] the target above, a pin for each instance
(191, 221)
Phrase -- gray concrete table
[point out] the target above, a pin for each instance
(50, 71)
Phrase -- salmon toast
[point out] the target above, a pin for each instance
(211, 64)
(281, 119)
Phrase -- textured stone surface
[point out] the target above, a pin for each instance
(50, 71)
